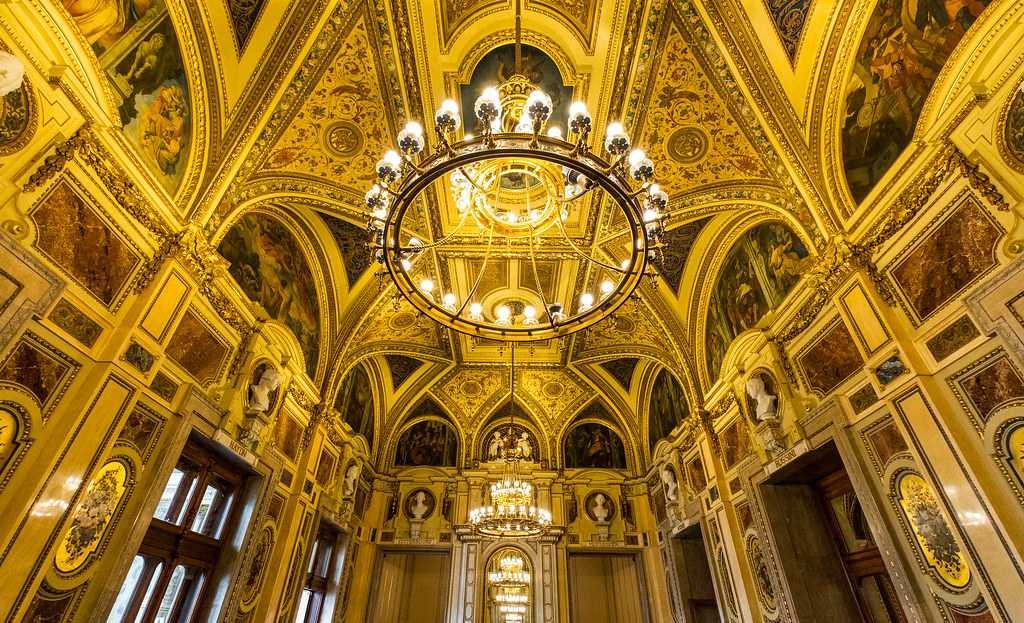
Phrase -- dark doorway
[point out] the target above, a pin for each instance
(696, 589)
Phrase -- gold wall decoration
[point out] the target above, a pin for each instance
(688, 129)
(18, 117)
(1010, 448)
(72, 234)
(92, 518)
(50, 605)
(38, 368)
(884, 441)
(950, 258)
(1011, 129)
(832, 359)
(196, 348)
(164, 386)
(14, 439)
(935, 542)
(955, 336)
(989, 384)
(765, 589)
(141, 431)
(75, 323)
(256, 568)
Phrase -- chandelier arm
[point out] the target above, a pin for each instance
(583, 254)
(480, 276)
(536, 279)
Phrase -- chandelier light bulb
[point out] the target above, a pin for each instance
(650, 215)
(427, 286)
(410, 139)
(380, 214)
(468, 136)
(525, 125)
(476, 311)
(449, 300)
(626, 263)
(586, 301)
(389, 168)
(529, 315)
(512, 218)
(488, 105)
(579, 118)
(616, 141)
(555, 132)
(406, 265)
(607, 287)
(657, 197)
(635, 157)
(447, 116)
(640, 166)
(538, 106)
(503, 313)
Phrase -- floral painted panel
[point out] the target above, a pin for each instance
(268, 264)
(903, 49)
(935, 541)
(832, 360)
(789, 17)
(949, 259)
(93, 516)
(72, 234)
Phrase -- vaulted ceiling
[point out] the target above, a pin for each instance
(736, 100)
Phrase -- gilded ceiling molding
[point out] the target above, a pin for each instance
(580, 15)
(566, 67)
(1010, 129)
(791, 151)
(684, 17)
(262, 93)
(456, 14)
(627, 53)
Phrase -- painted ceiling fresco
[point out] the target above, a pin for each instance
(898, 60)
(270, 267)
(138, 48)
(668, 408)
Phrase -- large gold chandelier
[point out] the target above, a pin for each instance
(514, 187)
(512, 511)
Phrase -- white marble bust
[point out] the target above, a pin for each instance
(12, 73)
(419, 506)
(600, 510)
(259, 393)
(351, 476)
(764, 403)
(668, 477)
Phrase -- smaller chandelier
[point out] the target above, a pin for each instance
(512, 609)
(510, 596)
(510, 573)
(512, 512)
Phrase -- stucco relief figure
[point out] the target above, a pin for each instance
(262, 393)
(668, 478)
(12, 73)
(351, 477)
(600, 509)
(419, 507)
(524, 448)
(494, 448)
(763, 402)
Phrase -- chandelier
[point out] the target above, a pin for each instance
(512, 512)
(511, 573)
(515, 189)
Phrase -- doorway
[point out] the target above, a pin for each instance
(693, 573)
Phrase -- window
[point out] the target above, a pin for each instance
(318, 574)
(168, 576)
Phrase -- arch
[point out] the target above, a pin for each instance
(761, 267)
(498, 422)
(667, 407)
(592, 443)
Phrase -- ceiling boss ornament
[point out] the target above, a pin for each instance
(519, 191)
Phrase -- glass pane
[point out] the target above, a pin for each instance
(323, 557)
(194, 580)
(171, 596)
(303, 609)
(213, 509)
(174, 499)
(129, 588)
(154, 579)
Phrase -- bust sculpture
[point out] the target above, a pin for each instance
(260, 393)
(351, 476)
(419, 506)
(600, 509)
(12, 73)
(668, 478)
(764, 402)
